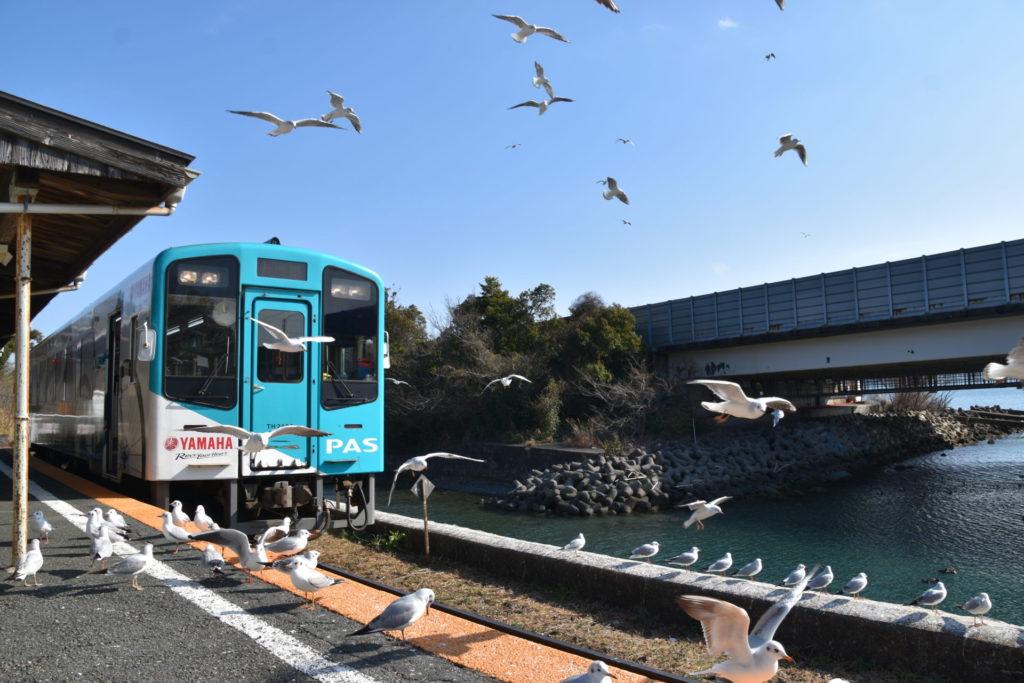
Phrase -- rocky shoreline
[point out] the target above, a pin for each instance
(795, 458)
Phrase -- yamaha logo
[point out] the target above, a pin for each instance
(171, 443)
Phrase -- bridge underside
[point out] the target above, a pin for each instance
(938, 357)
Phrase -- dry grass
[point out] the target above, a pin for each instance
(568, 617)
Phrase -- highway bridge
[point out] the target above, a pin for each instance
(927, 323)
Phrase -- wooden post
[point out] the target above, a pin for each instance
(22, 327)
(426, 526)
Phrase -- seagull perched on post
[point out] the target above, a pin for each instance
(526, 29)
(282, 342)
(254, 442)
(400, 614)
(339, 110)
(736, 404)
(541, 81)
(788, 142)
(978, 606)
(703, 510)
(752, 658)
(1014, 368)
(419, 463)
(282, 126)
(613, 191)
(506, 381)
(543, 105)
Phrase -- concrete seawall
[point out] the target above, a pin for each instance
(931, 643)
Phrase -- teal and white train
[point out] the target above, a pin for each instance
(174, 345)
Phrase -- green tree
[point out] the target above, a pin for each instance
(406, 326)
(7, 352)
(599, 339)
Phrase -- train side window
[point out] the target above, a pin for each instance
(133, 346)
(351, 305)
(279, 366)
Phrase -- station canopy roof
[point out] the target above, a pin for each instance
(73, 161)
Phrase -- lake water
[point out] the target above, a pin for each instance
(965, 509)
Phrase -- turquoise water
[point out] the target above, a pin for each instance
(965, 509)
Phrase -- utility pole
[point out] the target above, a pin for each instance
(24, 192)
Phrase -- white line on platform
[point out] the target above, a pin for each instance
(278, 643)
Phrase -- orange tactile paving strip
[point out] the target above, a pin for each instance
(465, 643)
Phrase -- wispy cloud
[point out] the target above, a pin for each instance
(726, 23)
(720, 268)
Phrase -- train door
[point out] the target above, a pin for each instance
(112, 402)
(280, 383)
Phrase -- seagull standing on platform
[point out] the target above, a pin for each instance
(339, 110)
(420, 462)
(400, 614)
(116, 518)
(101, 548)
(309, 559)
(788, 142)
(735, 403)
(281, 127)
(576, 543)
(202, 520)
(703, 510)
(527, 29)
(173, 532)
(932, 597)
(95, 522)
(978, 606)
(40, 527)
(29, 564)
(133, 565)
(687, 559)
(752, 658)
(178, 515)
(282, 342)
(310, 582)
(254, 442)
(1014, 368)
(292, 544)
(645, 552)
(213, 560)
(249, 557)
(597, 672)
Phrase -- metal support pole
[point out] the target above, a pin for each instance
(426, 528)
(22, 330)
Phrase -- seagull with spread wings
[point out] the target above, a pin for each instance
(420, 462)
(1014, 368)
(752, 658)
(340, 111)
(527, 29)
(788, 142)
(542, 105)
(254, 442)
(781, 4)
(613, 191)
(282, 342)
(506, 381)
(249, 556)
(735, 403)
(398, 382)
(281, 126)
(610, 4)
(701, 510)
(542, 81)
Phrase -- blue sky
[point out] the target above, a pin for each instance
(910, 109)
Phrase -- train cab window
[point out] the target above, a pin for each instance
(350, 363)
(279, 366)
(201, 331)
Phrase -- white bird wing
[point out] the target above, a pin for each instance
(779, 403)
(551, 33)
(313, 577)
(264, 115)
(274, 533)
(274, 332)
(321, 340)
(539, 69)
(694, 505)
(613, 186)
(316, 123)
(219, 429)
(725, 625)
(354, 120)
(519, 377)
(518, 21)
(727, 391)
(229, 538)
(551, 92)
(401, 468)
(610, 4)
(1016, 355)
(781, 4)
(451, 456)
(296, 430)
(719, 501)
(770, 621)
(786, 139)
(802, 152)
(337, 101)
(30, 563)
(527, 103)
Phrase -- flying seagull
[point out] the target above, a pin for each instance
(701, 510)
(736, 404)
(339, 110)
(249, 557)
(979, 606)
(598, 671)
(541, 81)
(254, 442)
(419, 463)
(400, 614)
(788, 142)
(625, 222)
(542, 106)
(781, 4)
(752, 658)
(282, 342)
(770, 56)
(506, 381)
(625, 141)
(514, 145)
(610, 4)
(281, 126)
(29, 564)
(613, 191)
(398, 382)
(1014, 368)
(576, 543)
(526, 30)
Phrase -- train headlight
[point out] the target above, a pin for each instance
(211, 278)
(343, 288)
(188, 277)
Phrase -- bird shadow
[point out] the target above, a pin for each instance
(628, 564)
(704, 577)
(455, 646)
(778, 590)
(912, 618)
(69, 574)
(274, 609)
(836, 602)
(953, 626)
(668, 575)
(1020, 638)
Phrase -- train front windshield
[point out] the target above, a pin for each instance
(201, 361)
(350, 315)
